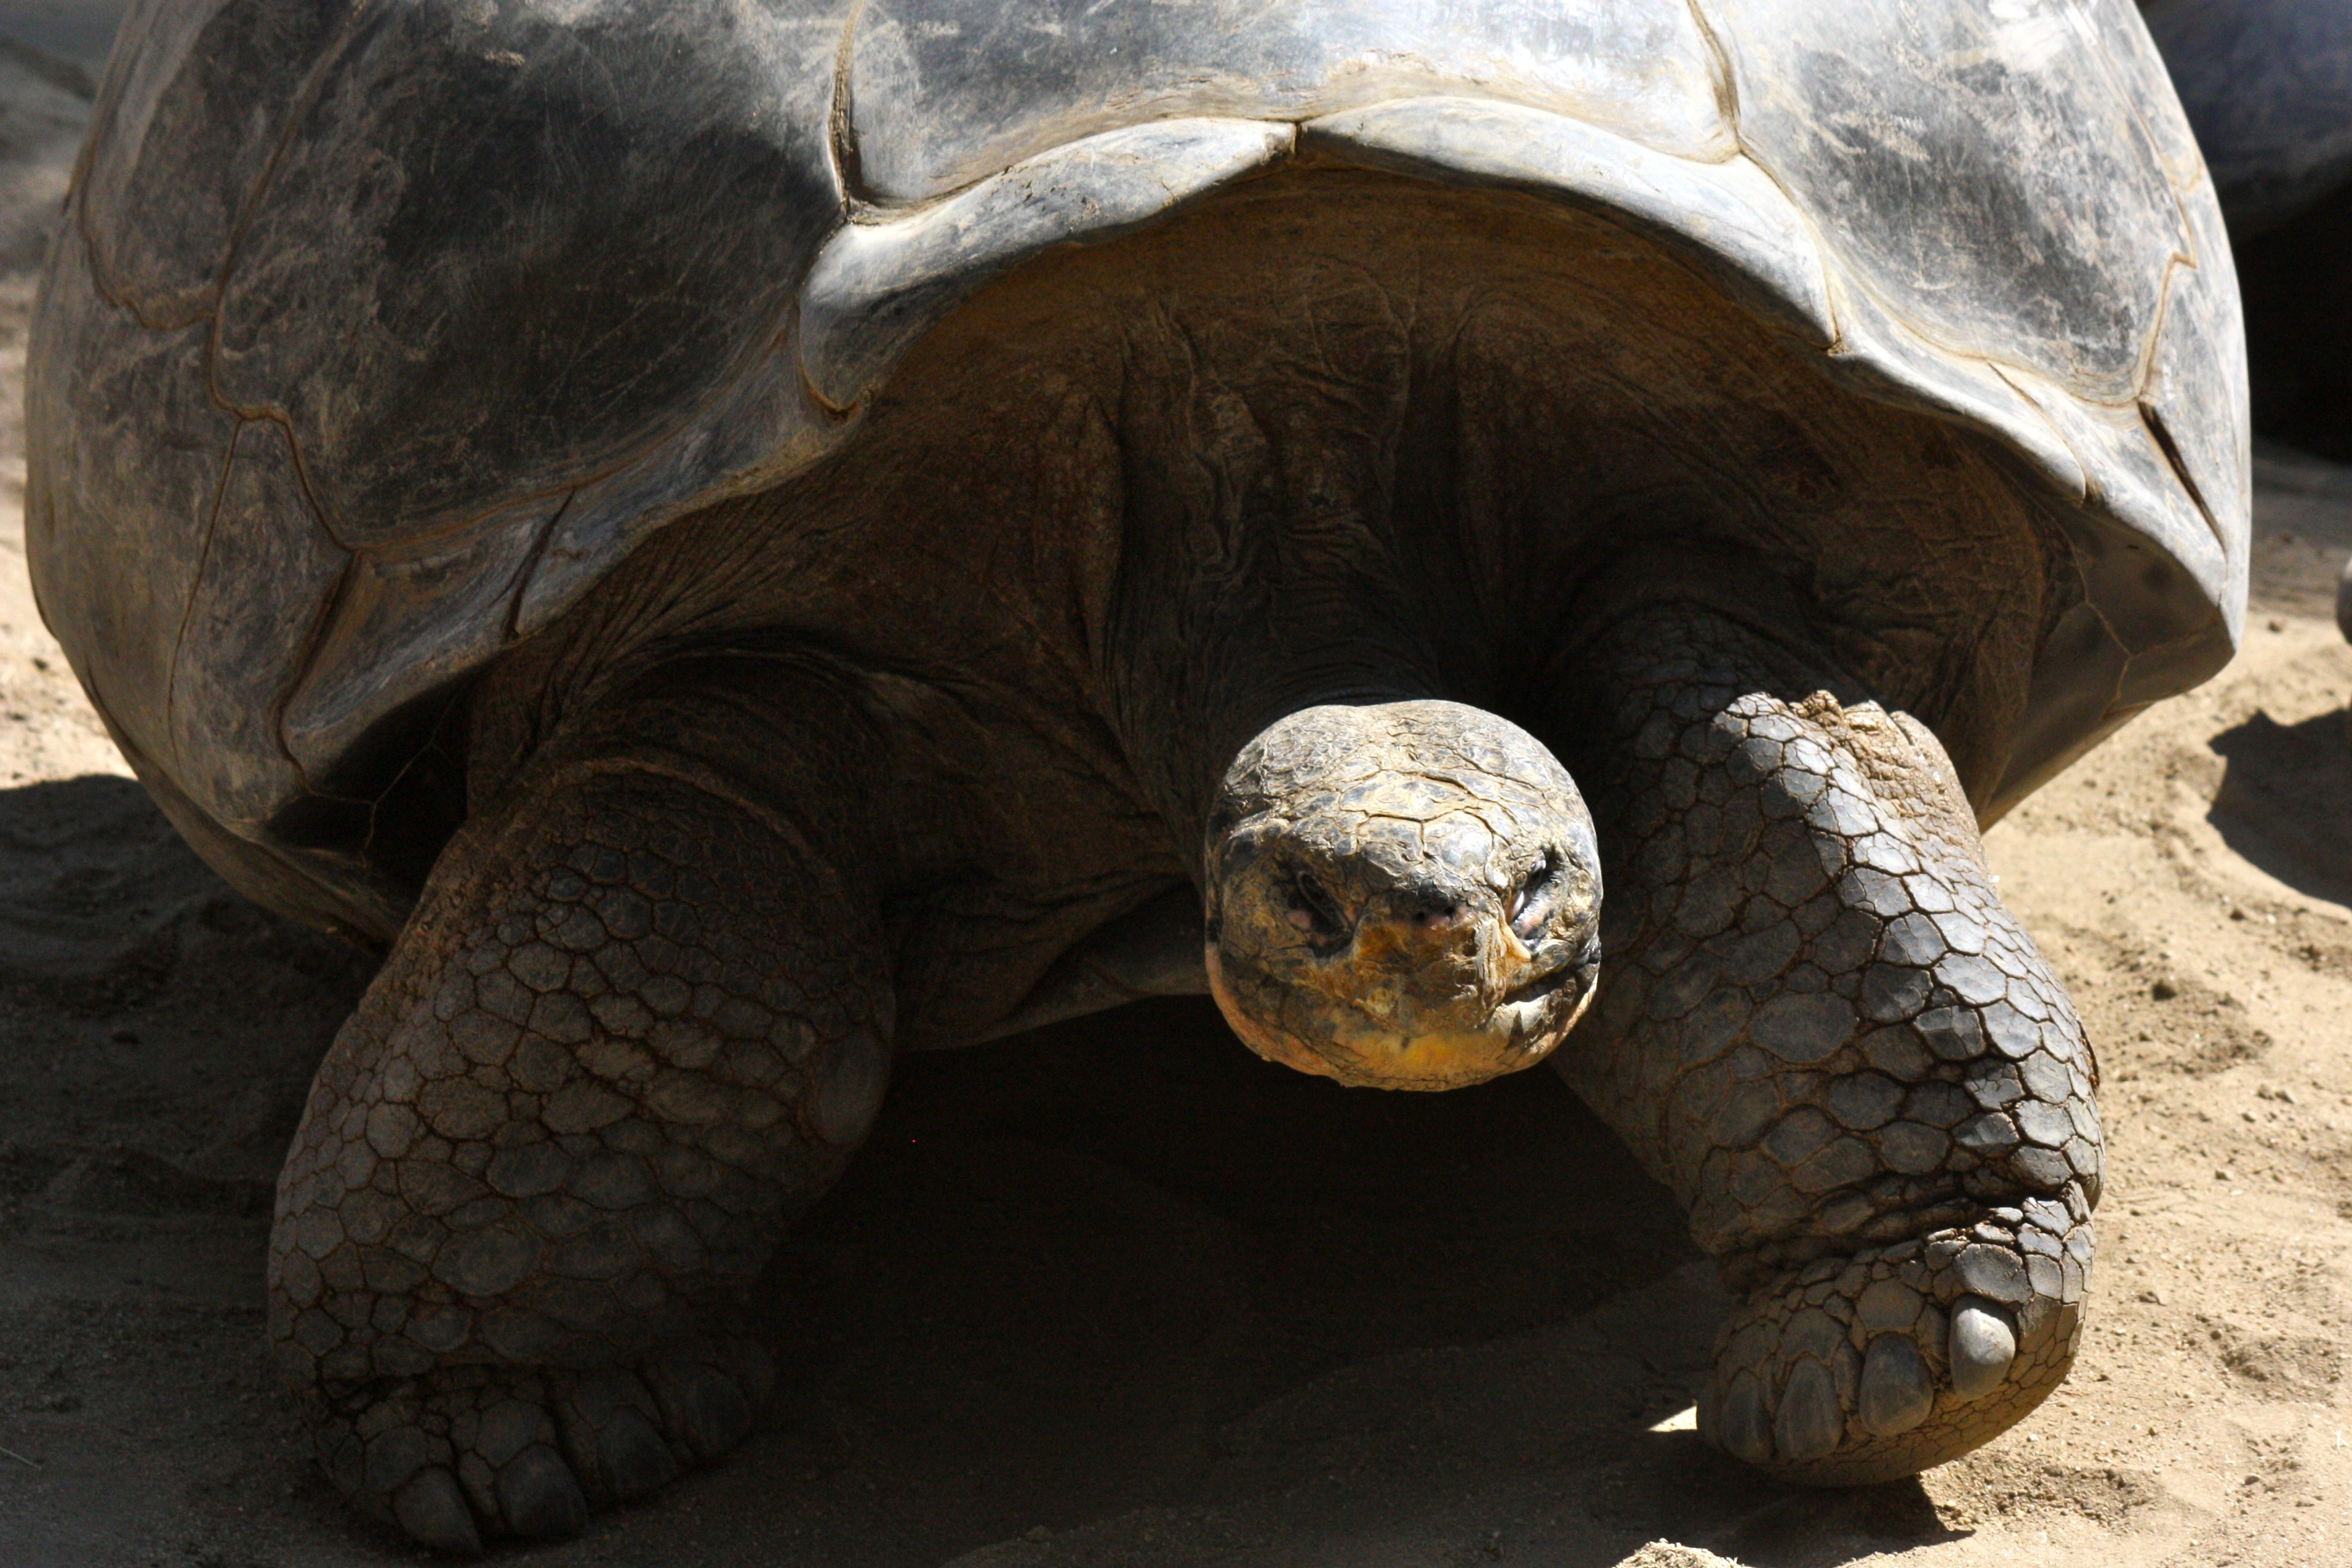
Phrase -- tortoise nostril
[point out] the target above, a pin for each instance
(1424, 906)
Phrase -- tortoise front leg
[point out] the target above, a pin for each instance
(637, 1024)
(1819, 1024)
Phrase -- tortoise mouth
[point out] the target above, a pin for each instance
(1332, 1033)
(1542, 988)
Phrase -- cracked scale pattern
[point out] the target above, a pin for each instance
(1818, 1023)
(633, 1028)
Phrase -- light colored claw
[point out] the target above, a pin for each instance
(1810, 1423)
(1896, 1392)
(1983, 1344)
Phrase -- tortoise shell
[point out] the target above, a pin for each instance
(377, 334)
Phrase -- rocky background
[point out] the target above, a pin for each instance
(1121, 1296)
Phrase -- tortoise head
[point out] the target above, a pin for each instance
(1403, 896)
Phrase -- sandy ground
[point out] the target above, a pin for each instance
(1121, 1296)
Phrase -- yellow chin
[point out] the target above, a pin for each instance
(1358, 1053)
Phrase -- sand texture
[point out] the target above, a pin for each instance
(1119, 1296)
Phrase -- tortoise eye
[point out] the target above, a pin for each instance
(1532, 904)
(1313, 910)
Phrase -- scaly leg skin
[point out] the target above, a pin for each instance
(1820, 1026)
(636, 1025)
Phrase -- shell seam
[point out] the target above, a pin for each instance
(195, 584)
(297, 110)
(841, 123)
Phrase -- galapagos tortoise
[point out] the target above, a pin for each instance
(740, 539)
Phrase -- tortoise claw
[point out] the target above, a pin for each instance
(434, 1512)
(1899, 1392)
(635, 1459)
(540, 1498)
(1809, 1423)
(472, 1453)
(1983, 1347)
(704, 1407)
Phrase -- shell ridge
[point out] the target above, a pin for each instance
(403, 625)
(2153, 417)
(769, 425)
(876, 286)
(2083, 488)
(234, 669)
(1695, 206)
(1726, 80)
(530, 568)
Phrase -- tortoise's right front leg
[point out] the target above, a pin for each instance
(637, 1023)
(1823, 1028)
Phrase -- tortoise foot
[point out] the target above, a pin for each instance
(466, 1455)
(623, 1041)
(1865, 1368)
(1826, 1030)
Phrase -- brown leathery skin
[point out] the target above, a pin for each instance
(638, 1024)
(1401, 895)
(1822, 1029)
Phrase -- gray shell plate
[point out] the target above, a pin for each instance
(380, 332)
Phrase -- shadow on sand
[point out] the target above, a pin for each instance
(1119, 1294)
(2286, 800)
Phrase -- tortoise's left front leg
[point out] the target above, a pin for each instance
(638, 1022)
(1820, 1025)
